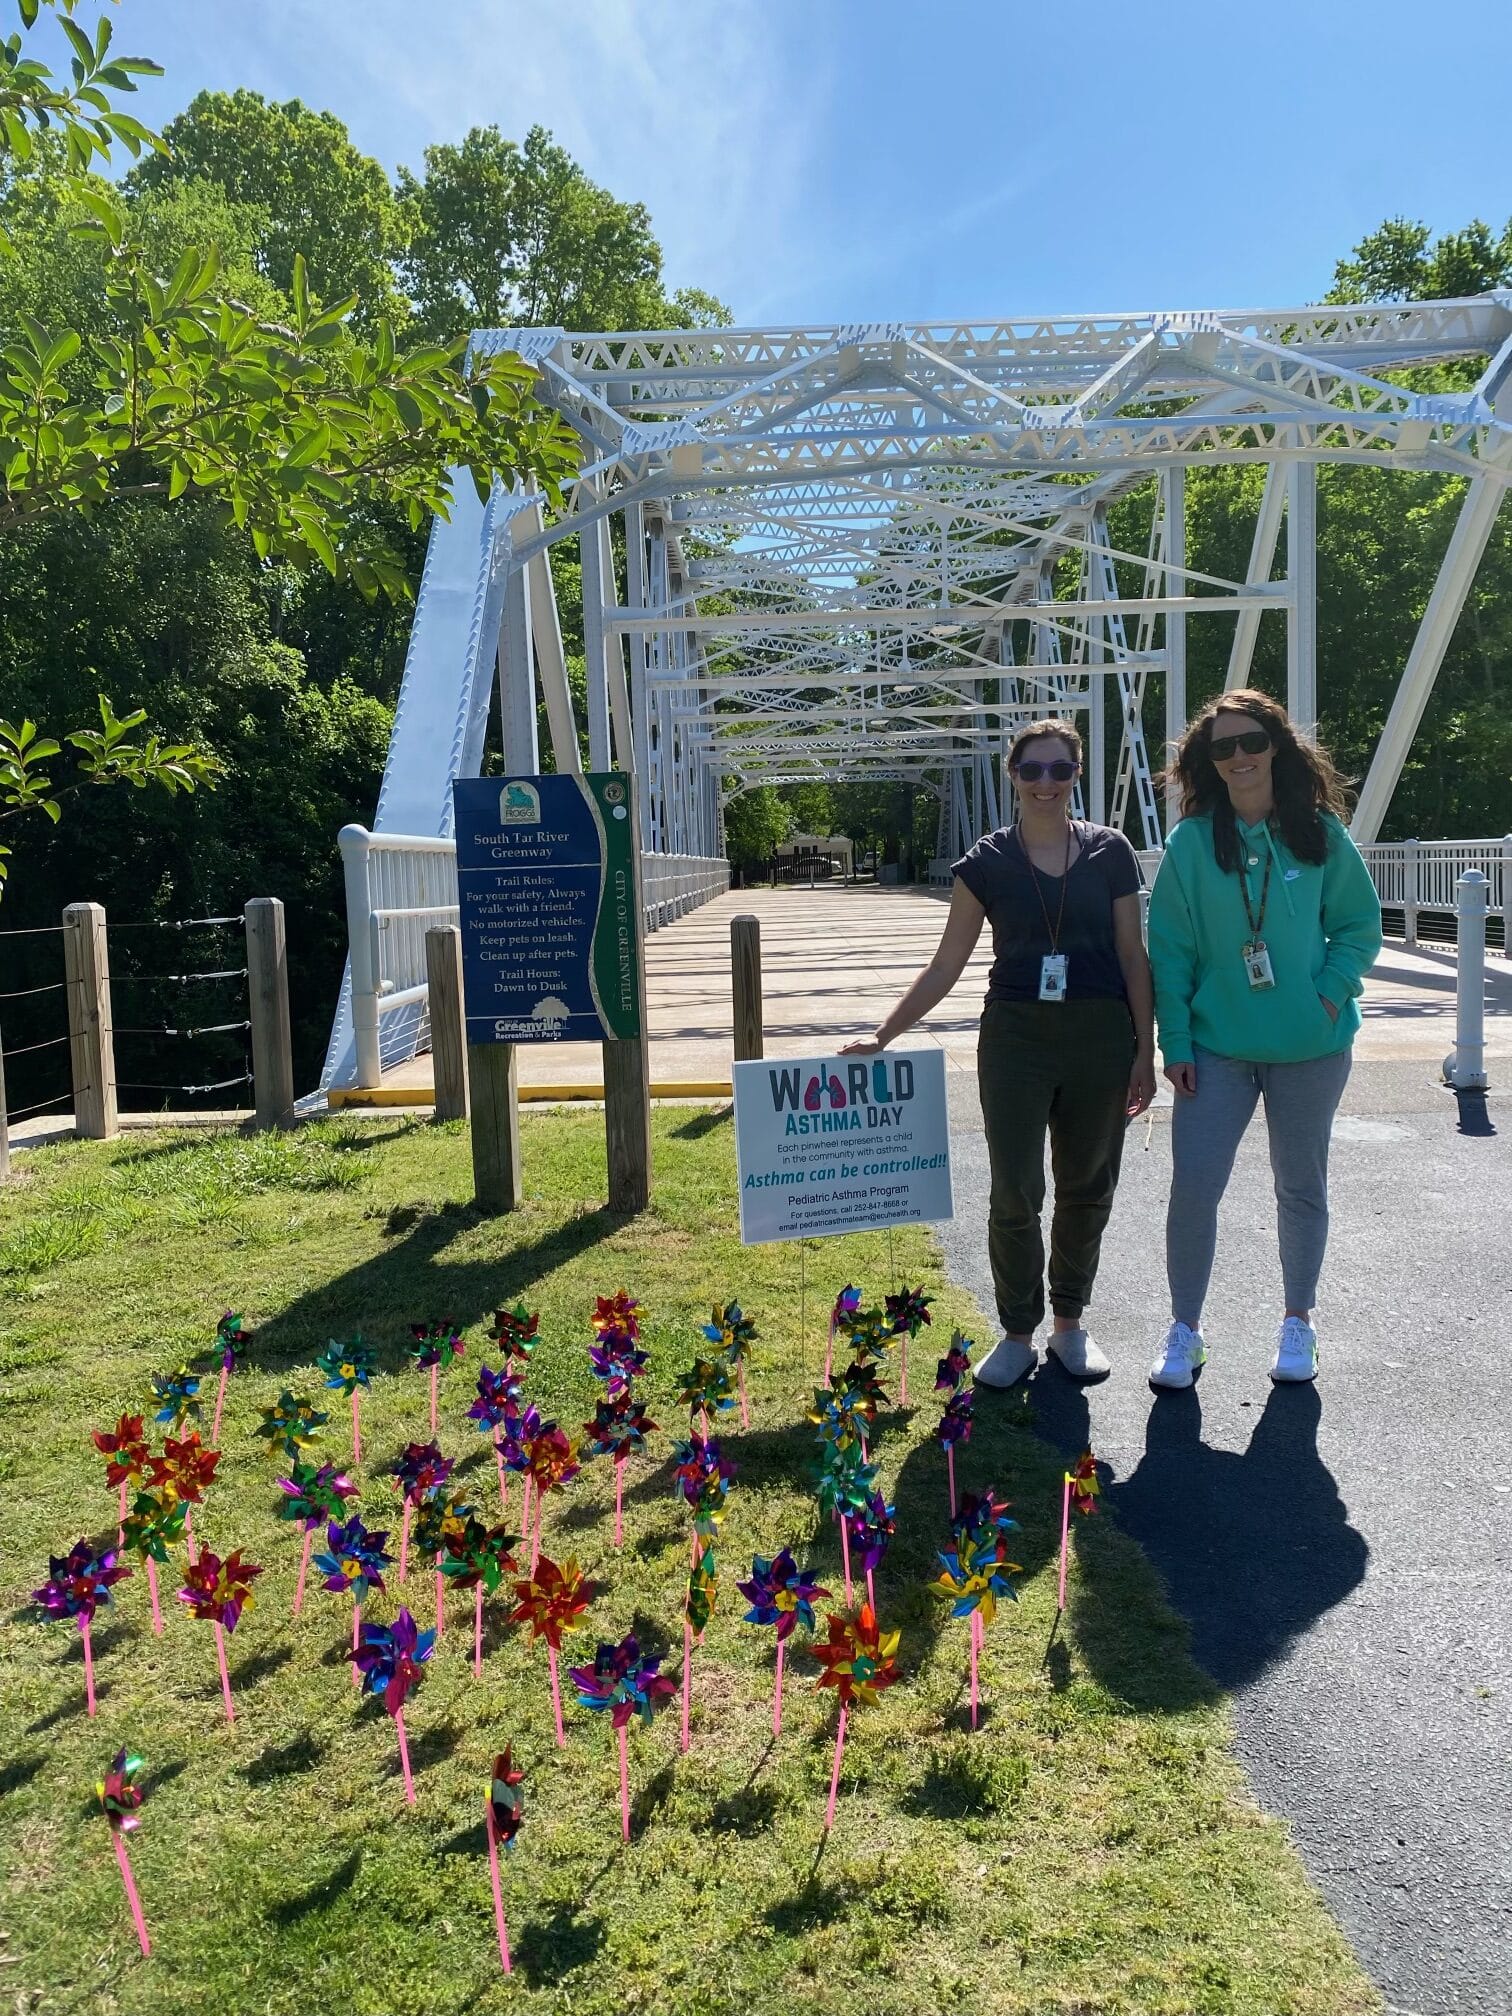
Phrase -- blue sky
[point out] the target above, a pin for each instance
(814, 160)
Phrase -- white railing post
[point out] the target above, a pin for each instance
(353, 842)
(1465, 1066)
(1506, 895)
(1411, 889)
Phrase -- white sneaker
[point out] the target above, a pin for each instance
(1296, 1353)
(1182, 1357)
(1080, 1355)
(1005, 1364)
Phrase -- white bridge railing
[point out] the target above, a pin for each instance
(399, 884)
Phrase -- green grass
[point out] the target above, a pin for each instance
(1091, 1849)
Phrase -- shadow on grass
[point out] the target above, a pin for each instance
(549, 1947)
(652, 1796)
(19, 1771)
(285, 1760)
(700, 1124)
(471, 1842)
(259, 1665)
(74, 1704)
(320, 1896)
(752, 1810)
(427, 1747)
(807, 1910)
(411, 1279)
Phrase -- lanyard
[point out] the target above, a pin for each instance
(1255, 922)
(1055, 930)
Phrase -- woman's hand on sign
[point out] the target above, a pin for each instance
(1184, 1078)
(863, 1046)
(1141, 1086)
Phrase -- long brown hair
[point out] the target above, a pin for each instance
(1063, 731)
(1303, 777)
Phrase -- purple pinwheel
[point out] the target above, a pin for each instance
(79, 1582)
(313, 1496)
(519, 1431)
(618, 1426)
(354, 1561)
(781, 1594)
(389, 1658)
(703, 1477)
(421, 1469)
(979, 1515)
(499, 1394)
(623, 1681)
(847, 1306)
(617, 1359)
(955, 1422)
(952, 1370)
(872, 1527)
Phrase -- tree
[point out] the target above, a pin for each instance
(756, 824)
(501, 235)
(1396, 262)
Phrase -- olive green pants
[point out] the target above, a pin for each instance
(1060, 1068)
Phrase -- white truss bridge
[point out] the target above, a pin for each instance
(871, 550)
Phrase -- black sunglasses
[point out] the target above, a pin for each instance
(1254, 742)
(1061, 771)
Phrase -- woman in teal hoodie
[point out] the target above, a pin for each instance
(1263, 924)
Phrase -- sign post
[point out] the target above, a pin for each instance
(548, 879)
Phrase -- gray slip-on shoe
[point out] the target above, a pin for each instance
(1005, 1364)
(1080, 1356)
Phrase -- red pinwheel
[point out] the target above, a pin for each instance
(1080, 1487)
(185, 1470)
(126, 1454)
(217, 1591)
(858, 1660)
(78, 1584)
(121, 1799)
(516, 1332)
(503, 1811)
(551, 1601)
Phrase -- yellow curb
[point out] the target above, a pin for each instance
(422, 1095)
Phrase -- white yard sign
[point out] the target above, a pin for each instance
(841, 1144)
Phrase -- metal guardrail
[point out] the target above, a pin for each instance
(399, 884)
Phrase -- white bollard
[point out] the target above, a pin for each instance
(1465, 1066)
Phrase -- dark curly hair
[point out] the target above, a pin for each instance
(1305, 782)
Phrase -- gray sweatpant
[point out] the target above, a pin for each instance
(1206, 1129)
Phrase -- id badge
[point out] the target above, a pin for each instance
(1053, 977)
(1257, 966)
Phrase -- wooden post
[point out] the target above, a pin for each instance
(745, 981)
(443, 972)
(268, 999)
(493, 1085)
(627, 1069)
(91, 1043)
(4, 1126)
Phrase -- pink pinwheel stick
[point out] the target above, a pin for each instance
(556, 1697)
(829, 1811)
(829, 1349)
(157, 1614)
(440, 1600)
(404, 1763)
(624, 1786)
(89, 1693)
(433, 1371)
(871, 1591)
(619, 1501)
(189, 1547)
(845, 1551)
(687, 1688)
(478, 1631)
(220, 1653)
(498, 1893)
(220, 1401)
(121, 1515)
(503, 1477)
(777, 1693)
(976, 1639)
(356, 1425)
(950, 1473)
(131, 1893)
(304, 1567)
(903, 1372)
(1060, 1600)
(745, 1412)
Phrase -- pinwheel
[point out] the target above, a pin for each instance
(499, 1396)
(440, 1525)
(349, 1368)
(313, 1496)
(847, 1307)
(419, 1473)
(618, 1426)
(291, 1424)
(846, 1483)
(479, 1561)
(552, 1459)
(503, 1811)
(126, 1451)
(389, 1658)
(185, 1471)
(705, 1389)
(973, 1575)
(953, 1369)
(858, 1659)
(175, 1393)
(954, 1427)
(617, 1359)
(217, 1592)
(871, 1528)
(619, 1313)
(516, 1332)
(626, 1683)
(842, 1415)
(782, 1595)
(121, 1799)
(353, 1563)
(870, 1333)
(550, 1602)
(433, 1345)
(230, 1342)
(734, 1333)
(863, 1383)
(1080, 1487)
(698, 1609)
(908, 1312)
(703, 1475)
(154, 1525)
(78, 1584)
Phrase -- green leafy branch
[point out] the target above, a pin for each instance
(82, 111)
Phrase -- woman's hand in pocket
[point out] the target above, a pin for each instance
(1184, 1078)
(1333, 1013)
(1141, 1086)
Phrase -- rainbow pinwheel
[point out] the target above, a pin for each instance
(175, 1393)
(618, 1312)
(289, 1425)
(864, 1384)
(858, 1659)
(348, 1366)
(623, 1681)
(870, 1333)
(125, 1450)
(516, 1332)
(618, 1427)
(954, 1368)
(313, 1496)
(154, 1525)
(185, 1469)
(354, 1560)
(955, 1421)
(217, 1591)
(390, 1657)
(506, 1802)
(231, 1339)
(421, 1469)
(841, 1415)
(617, 1359)
(845, 1482)
(552, 1600)
(1086, 1488)
(974, 1579)
(908, 1311)
(499, 1394)
(79, 1582)
(706, 1388)
(551, 1457)
(871, 1530)
(981, 1515)
(732, 1331)
(435, 1344)
(121, 1799)
(703, 1590)
(480, 1557)
(441, 1522)
(517, 1433)
(703, 1477)
(781, 1594)
(847, 1308)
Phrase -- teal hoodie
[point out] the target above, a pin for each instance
(1322, 929)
